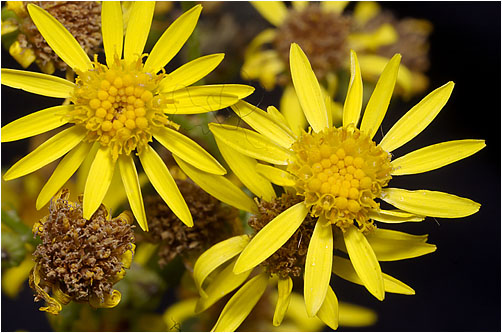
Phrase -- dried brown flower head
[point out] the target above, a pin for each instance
(289, 259)
(80, 259)
(213, 222)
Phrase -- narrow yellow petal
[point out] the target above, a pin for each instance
(265, 66)
(251, 144)
(223, 283)
(385, 34)
(219, 187)
(244, 168)
(300, 5)
(273, 11)
(276, 175)
(435, 156)
(138, 28)
(37, 83)
(292, 110)
(112, 29)
(190, 72)
(387, 234)
(365, 11)
(132, 188)
(215, 256)
(354, 98)
(392, 250)
(188, 150)
(284, 288)
(430, 203)
(50, 150)
(307, 89)
(298, 316)
(164, 184)
(202, 99)
(59, 39)
(365, 262)
(334, 6)
(394, 216)
(65, 169)
(178, 313)
(98, 181)
(172, 40)
(318, 266)
(263, 123)
(351, 315)
(36, 123)
(271, 237)
(241, 304)
(417, 119)
(255, 46)
(328, 312)
(344, 269)
(280, 119)
(380, 99)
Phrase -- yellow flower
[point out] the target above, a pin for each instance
(117, 108)
(341, 174)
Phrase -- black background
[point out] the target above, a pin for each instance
(458, 287)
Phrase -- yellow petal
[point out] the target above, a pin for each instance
(354, 99)
(254, 47)
(13, 278)
(435, 156)
(284, 288)
(65, 169)
(245, 169)
(385, 34)
(50, 150)
(365, 262)
(177, 313)
(351, 315)
(391, 250)
(430, 203)
(263, 123)
(172, 40)
(273, 11)
(380, 99)
(241, 304)
(276, 175)
(188, 150)
(292, 110)
(202, 99)
(394, 216)
(334, 6)
(298, 316)
(251, 143)
(300, 5)
(365, 11)
(215, 256)
(417, 119)
(98, 181)
(344, 269)
(112, 30)
(328, 312)
(132, 188)
(265, 66)
(271, 237)
(164, 184)
(307, 89)
(59, 39)
(37, 83)
(222, 284)
(387, 234)
(24, 56)
(219, 187)
(138, 28)
(36, 123)
(280, 119)
(318, 266)
(190, 72)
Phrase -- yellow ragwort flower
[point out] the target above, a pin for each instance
(341, 174)
(117, 108)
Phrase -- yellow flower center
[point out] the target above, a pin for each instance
(340, 172)
(119, 105)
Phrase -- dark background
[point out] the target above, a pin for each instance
(458, 287)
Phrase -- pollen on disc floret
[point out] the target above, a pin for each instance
(119, 105)
(340, 172)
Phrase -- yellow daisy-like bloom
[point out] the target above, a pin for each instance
(342, 174)
(117, 108)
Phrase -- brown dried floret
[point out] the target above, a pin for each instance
(289, 259)
(80, 259)
(213, 222)
(322, 36)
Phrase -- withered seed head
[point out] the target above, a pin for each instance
(80, 259)
(213, 222)
(322, 35)
(289, 259)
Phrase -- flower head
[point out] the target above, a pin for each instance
(116, 109)
(341, 176)
(80, 259)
